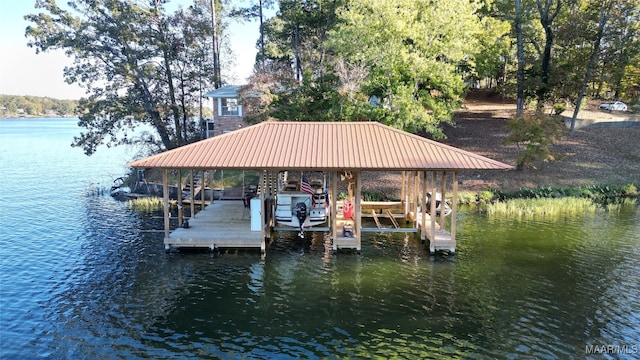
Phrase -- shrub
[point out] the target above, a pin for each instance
(466, 197)
(373, 195)
(485, 196)
(559, 108)
(534, 135)
(629, 190)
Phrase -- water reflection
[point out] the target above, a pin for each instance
(540, 289)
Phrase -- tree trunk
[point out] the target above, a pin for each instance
(604, 16)
(261, 36)
(546, 20)
(520, 74)
(166, 54)
(217, 82)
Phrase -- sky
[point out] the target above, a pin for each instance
(23, 72)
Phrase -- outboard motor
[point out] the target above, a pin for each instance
(429, 204)
(301, 215)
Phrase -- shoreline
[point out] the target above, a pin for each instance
(28, 117)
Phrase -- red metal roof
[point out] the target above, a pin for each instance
(319, 146)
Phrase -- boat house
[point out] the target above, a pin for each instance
(228, 110)
(340, 150)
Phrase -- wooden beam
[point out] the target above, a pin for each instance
(180, 210)
(334, 208)
(454, 211)
(262, 207)
(423, 207)
(442, 199)
(358, 211)
(393, 219)
(432, 215)
(416, 193)
(405, 196)
(263, 215)
(375, 218)
(191, 204)
(165, 201)
(202, 190)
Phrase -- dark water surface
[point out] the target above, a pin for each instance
(79, 279)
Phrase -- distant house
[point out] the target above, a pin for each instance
(228, 112)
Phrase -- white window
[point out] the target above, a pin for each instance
(229, 107)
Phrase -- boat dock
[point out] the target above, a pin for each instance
(342, 151)
(225, 223)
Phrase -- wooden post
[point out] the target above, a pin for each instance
(454, 211)
(403, 196)
(334, 208)
(442, 199)
(180, 210)
(432, 215)
(211, 185)
(165, 198)
(423, 206)
(358, 211)
(193, 200)
(202, 190)
(263, 221)
(416, 195)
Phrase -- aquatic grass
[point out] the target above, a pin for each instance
(147, 204)
(601, 194)
(541, 207)
(616, 207)
(467, 197)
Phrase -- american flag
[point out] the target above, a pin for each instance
(306, 187)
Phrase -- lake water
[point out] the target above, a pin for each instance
(79, 279)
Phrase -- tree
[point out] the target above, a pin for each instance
(520, 74)
(620, 48)
(256, 10)
(603, 17)
(130, 57)
(411, 50)
(548, 13)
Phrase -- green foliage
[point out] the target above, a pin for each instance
(534, 135)
(486, 196)
(319, 100)
(601, 194)
(411, 57)
(629, 190)
(234, 178)
(34, 105)
(559, 108)
(467, 197)
(138, 64)
(373, 195)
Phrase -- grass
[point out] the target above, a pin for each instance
(541, 207)
(147, 204)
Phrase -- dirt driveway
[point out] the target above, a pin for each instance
(599, 154)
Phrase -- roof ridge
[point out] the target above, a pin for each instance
(365, 145)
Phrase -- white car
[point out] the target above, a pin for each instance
(617, 106)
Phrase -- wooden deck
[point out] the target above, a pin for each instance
(345, 242)
(225, 223)
(443, 239)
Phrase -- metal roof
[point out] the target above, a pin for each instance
(229, 91)
(319, 146)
